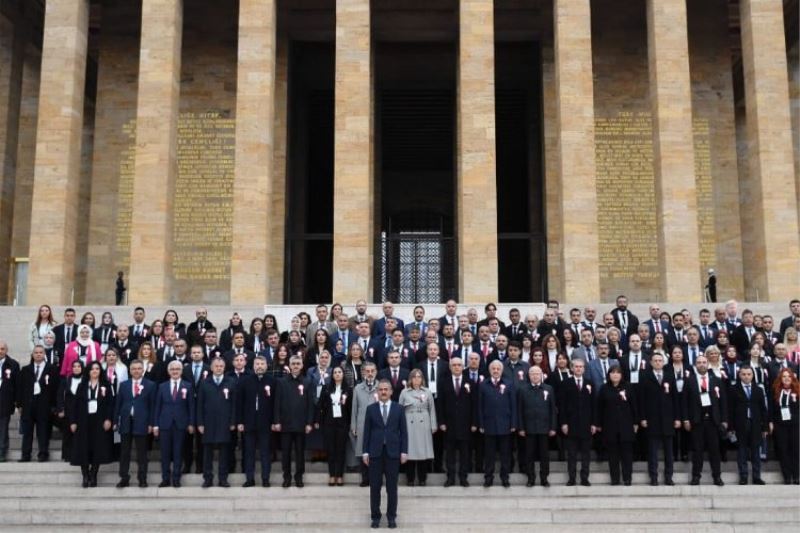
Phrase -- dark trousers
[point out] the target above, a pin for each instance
(438, 451)
(4, 422)
(575, 445)
(171, 441)
(492, 445)
(417, 470)
(748, 451)
(193, 450)
(380, 468)
(461, 447)
(257, 440)
(293, 443)
(235, 441)
(518, 446)
(705, 436)
(682, 443)
(476, 452)
(208, 461)
(335, 439)
(537, 446)
(140, 442)
(66, 441)
(654, 444)
(620, 454)
(41, 425)
(786, 445)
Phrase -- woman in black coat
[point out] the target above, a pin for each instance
(65, 401)
(785, 410)
(616, 419)
(333, 414)
(90, 423)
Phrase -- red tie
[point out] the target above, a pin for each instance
(135, 388)
(658, 326)
(174, 391)
(485, 349)
(394, 377)
(578, 383)
(704, 384)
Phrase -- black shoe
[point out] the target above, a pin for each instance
(506, 483)
(375, 524)
(718, 482)
(3, 459)
(449, 483)
(742, 481)
(421, 483)
(286, 483)
(488, 483)
(668, 482)
(653, 482)
(186, 470)
(299, 484)
(198, 470)
(392, 524)
(266, 484)
(530, 483)
(758, 481)
(695, 481)
(24, 460)
(85, 483)
(143, 484)
(409, 483)
(43, 458)
(585, 483)
(207, 483)
(544, 482)
(364, 483)
(614, 482)
(224, 484)
(123, 483)
(163, 484)
(571, 483)
(176, 484)
(464, 483)
(249, 483)
(627, 483)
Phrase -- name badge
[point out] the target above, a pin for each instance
(705, 399)
(785, 414)
(337, 410)
(432, 387)
(37, 389)
(634, 377)
(92, 407)
(679, 385)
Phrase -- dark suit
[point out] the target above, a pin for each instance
(397, 385)
(255, 409)
(133, 415)
(706, 422)
(742, 342)
(664, 327)
(216, 413)
(749, 419)
(632, 322)
(127, 353)
(172, 418)
(786, 323)
(379, 326)
(193, 443)
(786, 418)
(9, 369)
(576, 411)
(37, 401)
(232, 353)
(616, 413)
(62, 339)
(536, 406)
(294, 410)
(384, 443)
(459, 414)
(659, 406)
(497, 418)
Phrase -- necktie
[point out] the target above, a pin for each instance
(474, 376)
(196, 373)
(514, 331)
(692, 358)
(385, 409)
(485, 348)
(394, 376)
(578, 382)
(658, 377)
(432, 374)
(657, 324)
(605, 367)
(216, 380)
(591, 355)
(135, 389)
(747, 391)
(174, 391)
(38, 372)
(450, 347)
(704, 384)
(458, 386)
(635, 363)
(705, 332)
(364, 345)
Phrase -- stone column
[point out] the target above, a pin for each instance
(253, 241)
(278, 201)
(58, 153)
(155, 167)
(577, 190)
(773, 218)
(476, 198)
(673, 151)
(353, 185)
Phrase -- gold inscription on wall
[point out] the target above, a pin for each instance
(203, 205)
(204, 199)
(626, 203)
(705, 198)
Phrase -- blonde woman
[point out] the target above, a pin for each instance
(420, 413)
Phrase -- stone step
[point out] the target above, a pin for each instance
(328, 526)
(109, 476)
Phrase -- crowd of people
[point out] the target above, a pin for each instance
(473, 392)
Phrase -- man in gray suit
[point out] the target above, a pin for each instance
(536, 407)
(586, 350)
(321, 322)
(364, 395)
(597, 369)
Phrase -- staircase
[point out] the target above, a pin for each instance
(48, 496)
